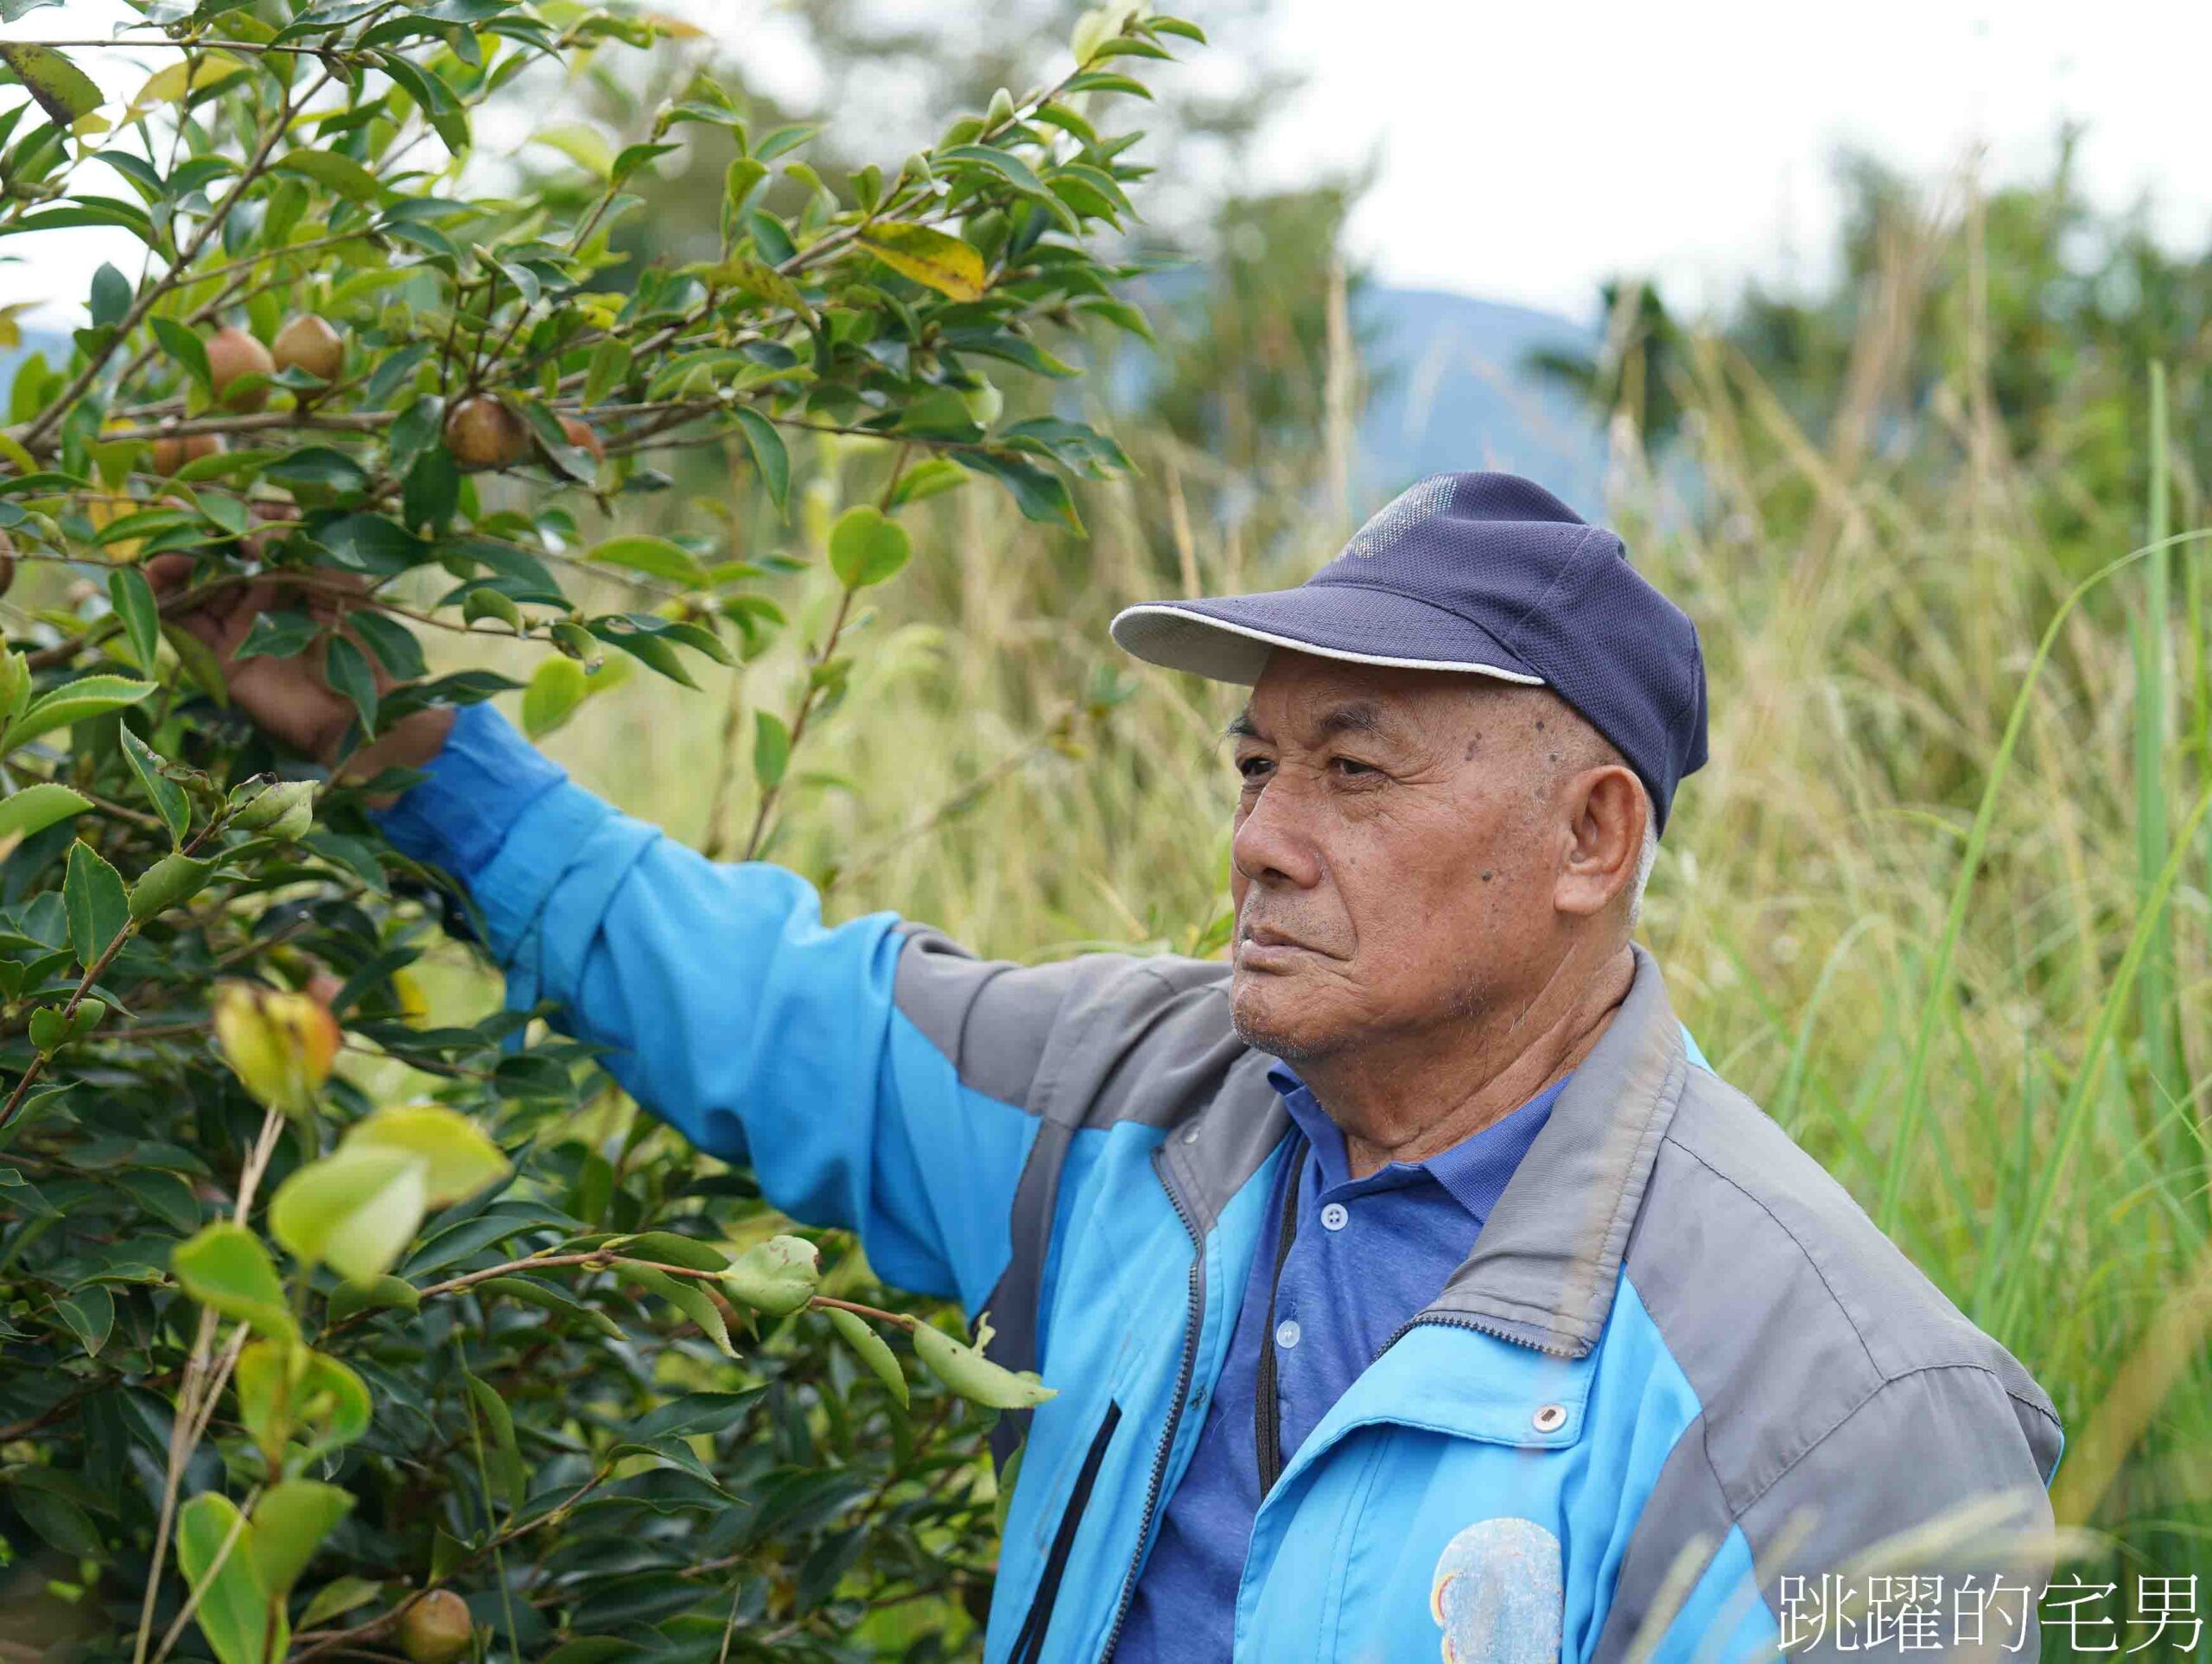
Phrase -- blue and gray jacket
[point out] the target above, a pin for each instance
(1680, 1367)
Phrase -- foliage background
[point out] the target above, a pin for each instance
(1917, 905)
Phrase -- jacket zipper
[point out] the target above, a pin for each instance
(1029, 1645)
(1453, 1320)
(1188, 1368)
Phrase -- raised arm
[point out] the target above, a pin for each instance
(828, 1056)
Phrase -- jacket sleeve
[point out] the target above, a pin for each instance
(875, 1076)
(1920, 1523)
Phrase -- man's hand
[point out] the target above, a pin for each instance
(291, 698)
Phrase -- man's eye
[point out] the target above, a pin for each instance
(1353, 767)
(1254, 769)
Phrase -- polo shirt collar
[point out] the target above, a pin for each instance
(1473, 1172)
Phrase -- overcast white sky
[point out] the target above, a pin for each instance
(1526, 151)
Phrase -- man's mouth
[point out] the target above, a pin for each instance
(1262, 947)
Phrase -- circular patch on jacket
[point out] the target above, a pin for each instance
(1500, 1595)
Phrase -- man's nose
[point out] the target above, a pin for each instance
(1275, 841)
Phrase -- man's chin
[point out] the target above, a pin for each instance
(1267, 1022)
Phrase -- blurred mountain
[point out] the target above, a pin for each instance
(1453, 389)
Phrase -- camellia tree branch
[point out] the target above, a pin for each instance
(491, 1362)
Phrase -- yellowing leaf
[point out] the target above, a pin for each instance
(458, 1160)
(944, 264)
(355, 1211)
(185, 76)
(585, 146)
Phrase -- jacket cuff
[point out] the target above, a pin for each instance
(474, 792)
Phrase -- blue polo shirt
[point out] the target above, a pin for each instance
(1369, 1252)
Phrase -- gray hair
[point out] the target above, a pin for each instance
(1644, 858)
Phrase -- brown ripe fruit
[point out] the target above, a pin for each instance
(579, 433)
(306, 342)
(7, 562)
(437, 1629)
(173, 451)
(482, 433)
(232, 355)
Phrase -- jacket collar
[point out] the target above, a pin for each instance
(1545, 1269)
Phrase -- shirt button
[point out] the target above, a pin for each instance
(1286, 1333)
(1335, 1217)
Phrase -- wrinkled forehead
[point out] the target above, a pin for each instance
(1302, 697)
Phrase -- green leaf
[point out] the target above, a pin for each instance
(333, 171)
(73, 701)
(354, 1211)
(339, 1595)
(771, 749)
(557, 687)
(866, 547)
(930, 258)
(503, 1459)
(1038, 491)
(457, 1159)
(226, 1268)
(133, 599)
(98, 908)
(347, 668)
(49, 1029)
(610, 364)
(686, 1296)
(769, 454)
(289, 1522)
(189, 352)
(169, 882)
(215, 1550)
(655, 557)
(975, 1377)
(287, 1393)
(318, 465)
(377, 1294)
(778, 1276)
(38, 807)
(548, 1299)
(112, 296)
(168, 798)
(60, 1521)
(860, 1336)
(90, 1313)
(585, 146)
(62, 89)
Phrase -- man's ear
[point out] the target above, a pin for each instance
(1607, 809)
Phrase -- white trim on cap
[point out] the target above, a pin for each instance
(1148, 609)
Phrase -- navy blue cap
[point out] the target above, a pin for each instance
(1486, 572)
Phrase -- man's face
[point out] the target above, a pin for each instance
(1398, 837)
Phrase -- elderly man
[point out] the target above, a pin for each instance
(1409, 1281)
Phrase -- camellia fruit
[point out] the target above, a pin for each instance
(173, 451)
(7, 562)
(280, 1045)
(233, 356)
(482, 433)
(437, 1629)
(306, 342)
(579, 433)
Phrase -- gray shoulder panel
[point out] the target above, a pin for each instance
(1845, 1398)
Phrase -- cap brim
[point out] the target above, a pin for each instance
(1228, 638)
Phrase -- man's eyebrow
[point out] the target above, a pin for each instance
(1359, 718)
(1242, 727)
